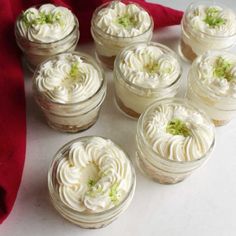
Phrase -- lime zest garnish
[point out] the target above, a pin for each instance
(213, 19)
(74, 70)
(114, 193)
(94, 190)
(154, 68)
(91, 182)
(222, 69)
(177, 127)
(42, 18)
(126, 21)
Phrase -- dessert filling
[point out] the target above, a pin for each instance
(46, 24)
(94, 176)
(67, 78)
(177, 132)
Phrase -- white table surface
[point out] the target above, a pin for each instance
(203, 204)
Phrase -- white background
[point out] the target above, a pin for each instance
(204, 204)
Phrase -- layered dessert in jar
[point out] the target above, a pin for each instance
(212, 85)
(115, 25)
(206, 26)
(46, 30)
(91, 181)
(70, 89)
(143, 73)
(173, 139)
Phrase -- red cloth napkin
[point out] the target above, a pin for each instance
(12, 97)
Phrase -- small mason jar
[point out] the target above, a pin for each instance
(112, 37)
(36, 51)
(206, 26)
(145, 72)
(69, 115)
(215, 95)
(169, 150)
(66, 198)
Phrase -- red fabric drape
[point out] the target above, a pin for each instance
(12, 98)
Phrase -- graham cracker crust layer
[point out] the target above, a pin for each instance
(125, 109)
(107, 61)
(220, 122)
(187, 51)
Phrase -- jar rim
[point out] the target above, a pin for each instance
(186, 103)
(86, 214)
(84, 55)
(159, 45)
(17, 34)
(101, 32)
(194, 4)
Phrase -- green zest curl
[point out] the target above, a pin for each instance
(222, 69)
(113, 193)
(43, 18)
(177, 127)
(74, 70)
(91, 183)
(126, 21)
(155, 68)
(213, 19)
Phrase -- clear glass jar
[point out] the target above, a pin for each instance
(160, 168)
(72, 117)
(221, 109)
(37, 52)
(195, 42)
(107, 46)
(89, 220)
(133, 99)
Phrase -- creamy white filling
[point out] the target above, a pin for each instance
(204, 30)
(94, 175)
(68, 79)
(216, 71)
(148, 66)
(192, 144)
(46, 24)
(119, 19)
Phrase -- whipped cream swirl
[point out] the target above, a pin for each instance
(121, 20)
(46, 24)
(213, 20)
(67, 78)
(216, 71)
(177, 132)
(149, 66)
(94, 175)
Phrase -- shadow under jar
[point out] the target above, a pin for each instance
(206, 26)
(70, 89)
(116, 24)
(145, 72)
(212, 85)
(91, 182)
(44, 31)
(173, 140)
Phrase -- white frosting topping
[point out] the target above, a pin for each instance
(94, 175)
(46, 24)
(67, 78)
(149, 66)
(213, 20)
(177, 133)
(216, 70)
(119, 19)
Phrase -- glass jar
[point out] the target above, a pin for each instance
(133, 98)
(37, 52)
(162, 168)
(86, 219)
(195, 41)
(71, 116)
(221, 108)
(107, 45)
